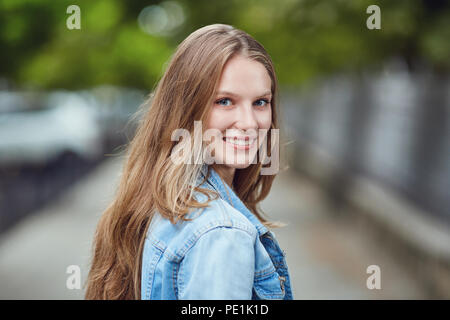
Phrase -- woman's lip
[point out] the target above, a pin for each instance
(240, 138)
(241, 147)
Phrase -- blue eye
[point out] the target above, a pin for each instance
(226, 102)
(263, 100)
(221, 101)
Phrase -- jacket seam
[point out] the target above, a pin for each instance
(157, 243)
(151, 273)
(192, 240)
(264, 274)
(175, 269)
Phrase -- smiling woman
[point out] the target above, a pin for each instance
(246, 85)
(194, 231)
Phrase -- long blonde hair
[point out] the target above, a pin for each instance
(150, 181)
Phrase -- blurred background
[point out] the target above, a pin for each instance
(365, 112)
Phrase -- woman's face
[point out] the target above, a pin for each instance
(242, 106)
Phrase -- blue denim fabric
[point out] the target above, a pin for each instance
(224, 252)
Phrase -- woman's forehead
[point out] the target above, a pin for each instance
(242, 76)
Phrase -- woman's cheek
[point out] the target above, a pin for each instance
(218, 120)
(265, 120)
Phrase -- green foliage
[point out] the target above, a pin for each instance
(306, 38)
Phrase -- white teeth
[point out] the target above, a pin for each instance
(240, 142)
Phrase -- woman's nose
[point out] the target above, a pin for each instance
(247, 118)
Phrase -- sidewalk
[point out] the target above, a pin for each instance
(327, 258)
(36, 252)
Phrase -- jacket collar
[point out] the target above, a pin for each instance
(227, 194)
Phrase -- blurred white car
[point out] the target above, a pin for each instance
(36, 136)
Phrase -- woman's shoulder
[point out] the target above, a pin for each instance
(218, 216)
(220, 213)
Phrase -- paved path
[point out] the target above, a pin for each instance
(327, 259)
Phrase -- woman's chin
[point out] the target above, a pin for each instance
(239, 165)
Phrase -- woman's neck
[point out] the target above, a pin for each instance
(226, 173)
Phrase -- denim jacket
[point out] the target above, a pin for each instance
(224, 252)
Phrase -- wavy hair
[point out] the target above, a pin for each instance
(150, 182)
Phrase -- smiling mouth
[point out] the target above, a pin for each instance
(240, 142)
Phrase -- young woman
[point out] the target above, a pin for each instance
(192, 229)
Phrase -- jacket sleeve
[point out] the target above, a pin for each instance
(220, 265)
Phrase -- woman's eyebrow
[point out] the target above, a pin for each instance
(236, 95)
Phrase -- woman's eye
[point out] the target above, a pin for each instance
(263, 101)
(224, 101)
(227, 102)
